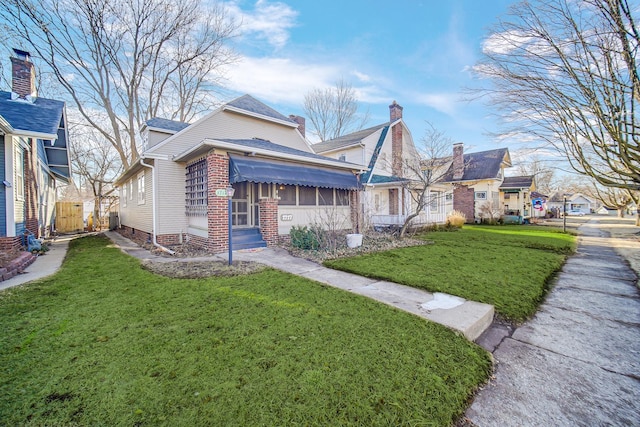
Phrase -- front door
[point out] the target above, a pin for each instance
(244, 205)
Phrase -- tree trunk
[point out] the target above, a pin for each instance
(620, 212)
(638, 218)
(97, 224)
(405, 226)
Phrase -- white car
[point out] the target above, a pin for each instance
(575, 213)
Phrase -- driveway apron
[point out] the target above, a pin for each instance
(577, 362)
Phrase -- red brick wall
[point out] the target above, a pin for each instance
(23, 77)
(8, 244)
(140, 237)
(169, 239)
(269, 220)
(463, 201)
(217, 207)
(395, 113)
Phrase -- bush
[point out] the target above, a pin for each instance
(304, 238)
(456, 219)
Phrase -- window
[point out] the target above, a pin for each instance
(124, 196)
(196, 189)
(448, 197)
(19, 173)
(307, 196)
(342, 197)
(130, 189)
(507, 196)
(343, 157)
(287, 194)
(325, 196)
(481, 195)
(434, 202)
(141, 193)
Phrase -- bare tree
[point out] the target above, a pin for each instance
(544, 175)
(566, 72)
(612, 198)
(423, 170)
(124, 61)
(333, 111)
(95, 163)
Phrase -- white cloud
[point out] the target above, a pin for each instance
(443, 102)
(281, 80)
(270, 21)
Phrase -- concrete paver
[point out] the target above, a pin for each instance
(577, 362)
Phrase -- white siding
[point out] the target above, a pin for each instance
(338, 216)
(171, 197)
(132, 214)
(226, 124)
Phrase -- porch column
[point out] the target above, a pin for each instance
(356, 209)
(217, 212)
(269, 220)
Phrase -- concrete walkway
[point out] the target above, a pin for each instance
(577, 362)
(45, 265)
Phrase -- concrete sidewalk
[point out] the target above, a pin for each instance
(469, 317)
(577, 362)
(45, 265)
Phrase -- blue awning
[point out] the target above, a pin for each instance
(250, 169)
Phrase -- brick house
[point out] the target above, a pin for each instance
(33, 156)
(174, 192)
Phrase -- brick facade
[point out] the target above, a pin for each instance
(464, 201)
(9, 244)
(217, 207)
(269, 220)
(395, 113)
(356, 211)
(24, 77)
(31, 191)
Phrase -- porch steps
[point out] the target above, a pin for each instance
(247, 238)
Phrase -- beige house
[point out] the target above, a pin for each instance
(177, 190)
(390, 182)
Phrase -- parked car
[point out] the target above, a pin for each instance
(574, 213)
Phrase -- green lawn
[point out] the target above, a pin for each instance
(507, 266)
(104, 342)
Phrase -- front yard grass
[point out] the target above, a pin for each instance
(104, 342)
(507, 266)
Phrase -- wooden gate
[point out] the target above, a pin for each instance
(69, 217)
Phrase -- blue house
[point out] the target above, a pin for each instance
(33, 156)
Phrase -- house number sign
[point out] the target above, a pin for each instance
(286, 217)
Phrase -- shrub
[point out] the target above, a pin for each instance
(304, 238)
(456, 219)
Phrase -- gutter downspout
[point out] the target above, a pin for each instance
(153, 208)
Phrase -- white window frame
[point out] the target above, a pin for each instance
(141, 189)
(124, 195)
(19, 173)
(480, 195)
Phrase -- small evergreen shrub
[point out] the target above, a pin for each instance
(304, 238)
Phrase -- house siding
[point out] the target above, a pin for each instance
(132, 214)
(3, 191)
(232, 125)
(170, 197)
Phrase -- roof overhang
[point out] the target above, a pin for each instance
(32, 134)
(206, 145)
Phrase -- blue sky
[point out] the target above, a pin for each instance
(415, 52)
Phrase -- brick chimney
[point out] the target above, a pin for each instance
(395, 113)
(23, 74)
(458, 161)
(301, 123)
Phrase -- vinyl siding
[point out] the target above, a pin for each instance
(226, 124)
(138, 216)
(171, 197)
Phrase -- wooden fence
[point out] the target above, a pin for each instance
(69, 217)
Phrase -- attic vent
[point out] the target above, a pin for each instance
(260, 139)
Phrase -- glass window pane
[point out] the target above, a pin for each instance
(307, 196)
(342, 197)
(287, 194)
(325, 196)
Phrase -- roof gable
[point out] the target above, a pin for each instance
(481, 165)
(249, 104)
(346, 140)
(517, 182)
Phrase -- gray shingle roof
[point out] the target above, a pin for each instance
(481, 165)
(517, 182)
(169, 125)
(268, 145)
(41, 116)
(252, 105)
(346, 140)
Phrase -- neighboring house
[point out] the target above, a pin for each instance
(33, 156)
(175, 191)
(517, 199)
(476, 180)
(575, 202)
(386, 149)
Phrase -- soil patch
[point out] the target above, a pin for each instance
(198, 269)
